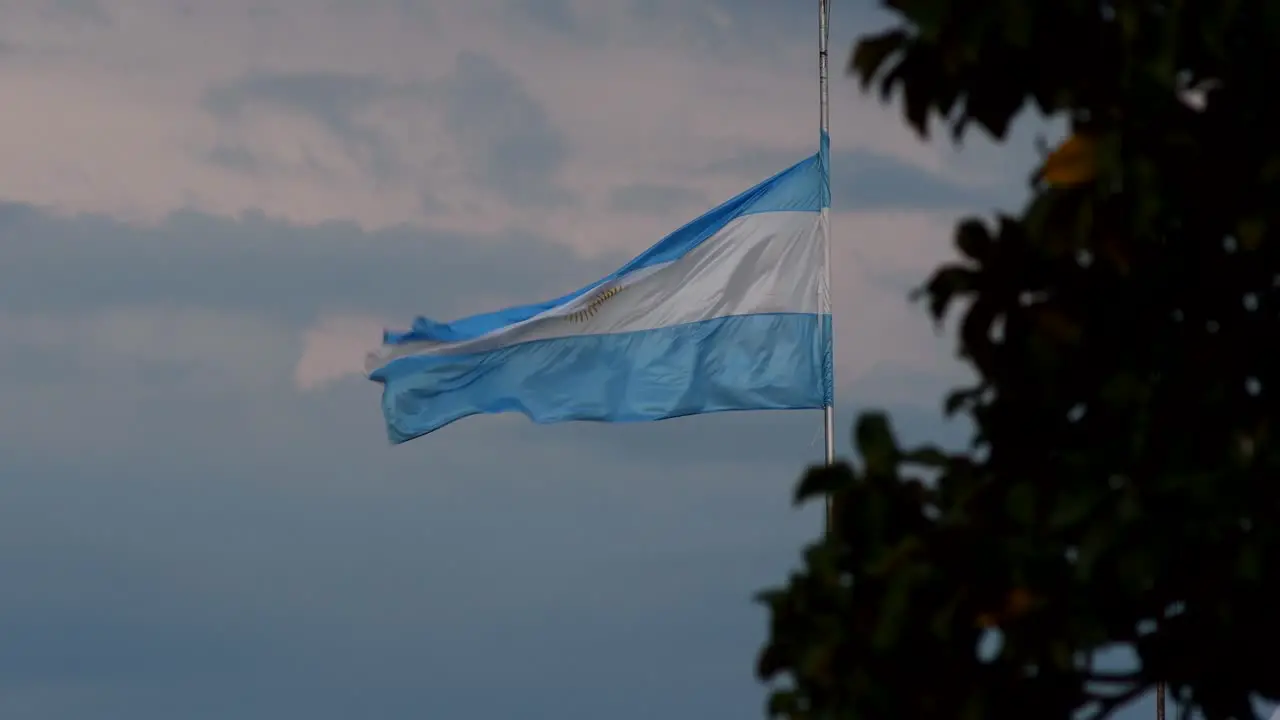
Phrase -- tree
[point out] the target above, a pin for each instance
(1121, 489)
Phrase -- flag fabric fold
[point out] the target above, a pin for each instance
(730, 312)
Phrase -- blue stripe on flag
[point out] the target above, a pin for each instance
(742, 362)
(800, 188)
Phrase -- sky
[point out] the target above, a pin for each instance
(209, 212)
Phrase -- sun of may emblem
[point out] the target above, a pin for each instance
(593, 305)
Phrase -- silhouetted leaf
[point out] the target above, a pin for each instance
(825, 480)
(944, 286)
(930, 457)
(973, 240)
(1020, 503)
(870, 54)
(876, 444)
(958, 399)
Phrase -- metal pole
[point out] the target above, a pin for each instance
(824, 12)
(824, 300)
(1160, 701)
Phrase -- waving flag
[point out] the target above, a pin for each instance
(730, 312)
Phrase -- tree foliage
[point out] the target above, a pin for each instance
(1120, 491)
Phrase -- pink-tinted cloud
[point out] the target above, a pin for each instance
(113, 118)
(480, 117)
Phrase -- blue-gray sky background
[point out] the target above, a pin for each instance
(208, 211)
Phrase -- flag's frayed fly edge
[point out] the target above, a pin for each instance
(730, 312)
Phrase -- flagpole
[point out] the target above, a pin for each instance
(828, 412)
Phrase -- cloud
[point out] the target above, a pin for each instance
(335, 348)
(742, 30)
(362, 93)
(235, 157)
(557, 15)
(213, 348)
(338, 102)
(259, 264)
(509, 143)
(90, 12)
(644, 198)
(866, 180)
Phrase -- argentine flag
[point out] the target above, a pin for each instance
(730, 312)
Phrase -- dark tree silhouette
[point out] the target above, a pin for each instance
(1121, 489)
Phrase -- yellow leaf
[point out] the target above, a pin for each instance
(895, 558)
(1111, 248)
(1058, 326)
(1074, 162)
(1250, 233)
(1019, 602)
